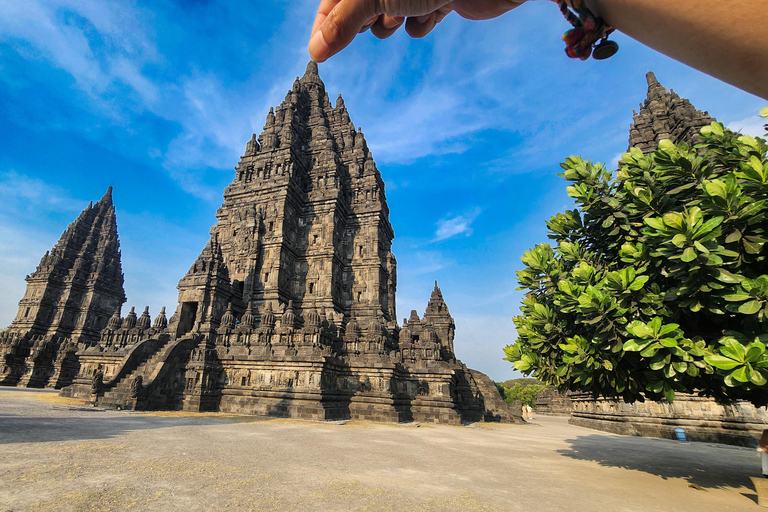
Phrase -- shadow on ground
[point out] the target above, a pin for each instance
(98, 424)
(704, 465)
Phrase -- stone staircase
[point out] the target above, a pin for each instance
(117, 395)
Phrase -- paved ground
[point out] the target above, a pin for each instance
(58, 455)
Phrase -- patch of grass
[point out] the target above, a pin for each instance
(468, 502)
(99, 500)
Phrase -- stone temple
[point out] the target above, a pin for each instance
(289, 310)
(69, 299)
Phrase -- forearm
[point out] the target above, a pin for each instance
(724, 38)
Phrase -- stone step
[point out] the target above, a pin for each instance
(119, 396)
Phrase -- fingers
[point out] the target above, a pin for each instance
(420, 26)
(339, 21)
(385, 26)
(336, 24)
(368, 24)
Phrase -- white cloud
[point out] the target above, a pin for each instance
(456, 225)
(753, 125)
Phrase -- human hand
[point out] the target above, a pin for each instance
(339, 21)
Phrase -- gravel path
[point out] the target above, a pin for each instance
(58, 455)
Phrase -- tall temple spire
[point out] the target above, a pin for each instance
(306, 218)
(664, 115)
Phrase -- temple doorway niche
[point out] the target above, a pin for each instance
(187, 319)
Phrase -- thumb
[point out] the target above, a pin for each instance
(337, 24)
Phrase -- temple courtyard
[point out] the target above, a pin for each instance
(56, 454)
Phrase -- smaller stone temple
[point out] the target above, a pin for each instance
(665, 115)
(69, 299)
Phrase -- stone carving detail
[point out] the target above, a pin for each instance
(97, 381)
(136, 386)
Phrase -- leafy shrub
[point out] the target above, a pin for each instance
(525, 393)
(658, 281)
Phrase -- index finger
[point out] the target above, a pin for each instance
(325, 7)
(336, 25)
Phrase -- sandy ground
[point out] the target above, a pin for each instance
(58, 455)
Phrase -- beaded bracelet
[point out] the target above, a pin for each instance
(581, 40)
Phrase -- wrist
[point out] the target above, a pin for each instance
(596, 6)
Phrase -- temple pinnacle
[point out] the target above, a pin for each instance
(107, 199)
(311, 68)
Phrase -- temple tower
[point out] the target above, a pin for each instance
(305, 218)
(665, 115)
(78, 284)
(438, 316)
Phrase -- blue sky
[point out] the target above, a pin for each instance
(468, 127)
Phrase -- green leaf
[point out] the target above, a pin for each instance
(758, 378)
(688, 255)
(736, 297)
(669, 393)
(667, 146)
(741, 374)
(639, 329)
(722, 362)
(750, 308)
(668, 342)
(715, 188)
(726, 277)
(638, 283)
(651, 350)
(754, 351)
(655, 223)
(735, 236)
(709, 225)
(733, 349)
(633, 345)
(750, 247)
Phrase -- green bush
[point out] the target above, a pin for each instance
(658, 281)
(525, 393)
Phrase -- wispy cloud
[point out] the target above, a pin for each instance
(99, 43)
(456, 225)
(753, 125)
(23, 195)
